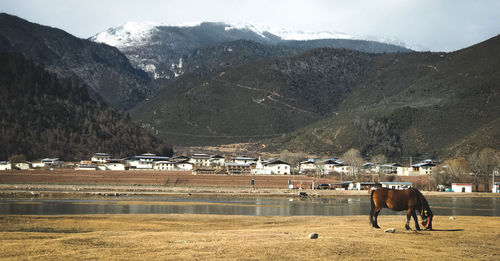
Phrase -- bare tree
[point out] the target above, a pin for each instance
(482, 165)
(292, 158)
(379, 159)
(355, 161)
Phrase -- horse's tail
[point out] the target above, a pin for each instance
(372, 206)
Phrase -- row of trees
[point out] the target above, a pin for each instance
(478, 167)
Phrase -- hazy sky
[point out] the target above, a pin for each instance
(437, 25)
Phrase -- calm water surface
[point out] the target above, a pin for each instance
(236, 206)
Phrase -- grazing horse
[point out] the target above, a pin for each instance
(398, 200)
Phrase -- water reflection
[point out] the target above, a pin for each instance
(234, 206)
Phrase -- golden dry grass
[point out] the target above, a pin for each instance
(209, 237)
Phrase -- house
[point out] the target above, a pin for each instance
(396, 185)
(200, 160)
(404, 170)
(272, 167)
(217, 161)
(461, 187)
(37, 164)
(361, 185)
(24, 165)
(307, 166)
(100, 157)
(342, 168)
(330, 164)
(237, 168)
(391, 168)
(5, 165)
(423, 168)
(53, 162)
(114, 164)
(496, 187)
(245, 160)
(145, 161)
(184, 165)
(164, 165)
(48, 162)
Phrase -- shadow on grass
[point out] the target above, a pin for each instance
(449, 230)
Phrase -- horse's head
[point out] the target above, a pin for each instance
(427, 219)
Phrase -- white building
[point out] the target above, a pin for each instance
(200, 160)
(360, 185)
(496, 187)
(423, 168)
(5, 165)
(461, 187)
(145, 161)
(330, 164)
(404, 170)
(396, 185)
(245, 160)
(184, 165)
(173, 166)
(307, 166)
(275, 167)
(164, 165)
(114, 165)
(217, 160)
(48, 162)
(100, 157)
(342, 168)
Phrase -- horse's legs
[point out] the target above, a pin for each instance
(408, 217)
(376, 211)
(414, 215)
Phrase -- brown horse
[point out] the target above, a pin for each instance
(398, 200)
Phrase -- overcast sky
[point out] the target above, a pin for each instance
(437, 25)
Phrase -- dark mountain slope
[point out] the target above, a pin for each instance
(260, 99)
(104, 69)
(419, 104)
(43, 116)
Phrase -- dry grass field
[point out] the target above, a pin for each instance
(222, 237)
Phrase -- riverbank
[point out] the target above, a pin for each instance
(64, 191)
(209, 237)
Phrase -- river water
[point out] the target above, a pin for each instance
(342, 206)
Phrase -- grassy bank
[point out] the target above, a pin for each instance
(209, 237)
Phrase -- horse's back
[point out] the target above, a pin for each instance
(394, 199)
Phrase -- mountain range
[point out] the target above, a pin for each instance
(162, 50)
(213, 83)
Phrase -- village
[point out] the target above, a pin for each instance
(350, 177)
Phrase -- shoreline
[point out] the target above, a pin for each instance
(68, 191)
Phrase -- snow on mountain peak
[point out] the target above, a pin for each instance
(304, 36)
(258, 29)
(127, 34)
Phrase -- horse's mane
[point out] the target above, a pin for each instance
(424, 205)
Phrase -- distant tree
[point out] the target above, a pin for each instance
(482, 165)
(355, 161)
(293, 158)
(379, 159)
(17, 158)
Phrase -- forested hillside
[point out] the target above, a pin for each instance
(43, 116)
(106, 71)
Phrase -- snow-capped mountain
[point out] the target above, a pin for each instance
(160, 49)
